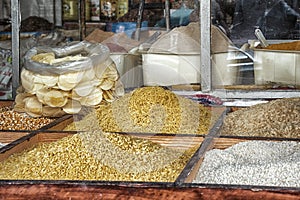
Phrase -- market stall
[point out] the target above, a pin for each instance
(183, 113)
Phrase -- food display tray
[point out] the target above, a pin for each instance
(182, 188)
(221, 143)
(8, 103)
(7, 137)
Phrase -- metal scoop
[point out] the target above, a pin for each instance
(260, 36)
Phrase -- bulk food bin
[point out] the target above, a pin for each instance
(174, 58)
(278, 63)
(170, 142)
(181, 188)
(204, 176)
(12, 120)
(208, 173)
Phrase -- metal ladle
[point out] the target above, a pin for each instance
(260, 36)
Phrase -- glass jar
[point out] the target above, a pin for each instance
(108, 10)
(70, 10)
(122, 8)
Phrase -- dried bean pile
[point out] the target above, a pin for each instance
(151, 110)
(277, 118)
(97, 156)
(264, 163)
(12, 120)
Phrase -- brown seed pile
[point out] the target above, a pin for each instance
(12, 120)
(277, 118)
(148, 109)
(293, 46)
(97, 156)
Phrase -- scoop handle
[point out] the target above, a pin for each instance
(260, 36)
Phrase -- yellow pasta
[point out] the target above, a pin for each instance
(150, 110)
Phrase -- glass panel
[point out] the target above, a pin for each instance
(5, 52)
(245, 59)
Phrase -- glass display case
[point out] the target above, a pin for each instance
(256, 72)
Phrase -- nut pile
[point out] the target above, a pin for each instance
(264, 163)
(277, 118)
(12, 120)
(55, 95)
(97, 156)
(148, 109)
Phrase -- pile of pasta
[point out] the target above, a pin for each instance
(148, 110)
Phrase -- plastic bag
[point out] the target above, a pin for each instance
(66, 86)
(94, 53)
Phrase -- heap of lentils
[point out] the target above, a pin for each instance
(150, 110)
(13, 120)
(260, 163)
(98, 156)
(277, 118)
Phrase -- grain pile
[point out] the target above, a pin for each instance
(264, 163)
(277, 118)
(148, 109)
(97, 156)
(12, 120)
